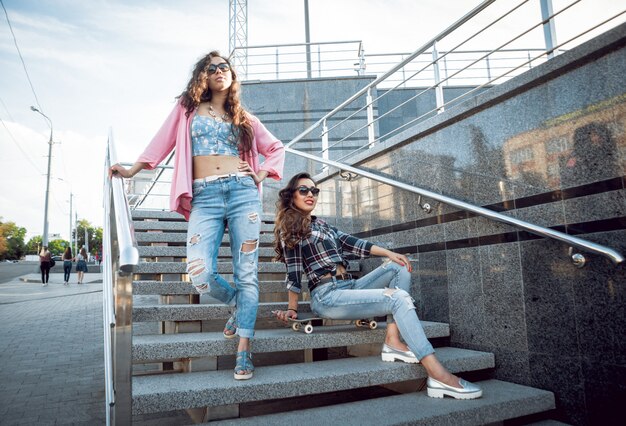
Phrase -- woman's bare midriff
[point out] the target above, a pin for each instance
(212, 165)
(340, 271)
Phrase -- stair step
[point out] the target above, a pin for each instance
(141, 225)
(181, 251)
(501, 401)
(185, 287)
(180, 312)
(211, 388)
(168, 215)
(181, 237)
(190, 345)
(222, 268)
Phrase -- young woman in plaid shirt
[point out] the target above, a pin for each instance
(310, 245)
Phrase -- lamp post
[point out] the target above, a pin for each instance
(44, 238)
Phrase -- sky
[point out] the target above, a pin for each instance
(102, 65)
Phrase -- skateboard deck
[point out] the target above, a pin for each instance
(305, 323)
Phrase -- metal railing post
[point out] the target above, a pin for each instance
(324, 144)
(277, 62)
(438, 88)
(549, 30)
(371, 136)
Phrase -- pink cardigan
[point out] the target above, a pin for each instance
(175, 133)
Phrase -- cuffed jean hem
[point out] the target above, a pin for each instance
(421, 356)
(245, 332)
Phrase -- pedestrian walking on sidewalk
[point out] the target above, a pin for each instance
(67, 265)
(81, 264)
(45, 263)
(310, 245)
(216, 181)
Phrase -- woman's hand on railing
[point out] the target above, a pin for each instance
(120, 171)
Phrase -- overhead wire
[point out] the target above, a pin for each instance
(32, 88)
(20, 148)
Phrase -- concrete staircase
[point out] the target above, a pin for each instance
(183, 364)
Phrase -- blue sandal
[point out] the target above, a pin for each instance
(244, 367)
(230, 329)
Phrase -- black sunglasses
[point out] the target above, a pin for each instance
(213, 68)
(304, 190)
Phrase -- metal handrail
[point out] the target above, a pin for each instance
(387, 77)
(155, 179)
(616, 257)
(280, 65)
(394, 69)
(120, 256)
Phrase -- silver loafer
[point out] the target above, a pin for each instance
(436, 389)
(390, 354)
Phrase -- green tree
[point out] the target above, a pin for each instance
(94, 235)
(11, 240)
(34, 245)
(56, 247)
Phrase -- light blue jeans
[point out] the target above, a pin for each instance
(384, 291)
(232, 200)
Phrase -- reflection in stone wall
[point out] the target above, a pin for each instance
(583, 146)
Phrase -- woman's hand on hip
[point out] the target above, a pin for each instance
(246, 168)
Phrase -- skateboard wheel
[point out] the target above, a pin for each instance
(373, 325)
(359, 323)
(308, 329)
(295, 326)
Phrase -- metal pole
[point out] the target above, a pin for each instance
(76, 233)
(438, 88)
(70, 236)
(549, 30)
(307, 37)
(44, 238)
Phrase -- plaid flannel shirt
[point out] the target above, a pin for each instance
(320, 253)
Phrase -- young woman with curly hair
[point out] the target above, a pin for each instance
(216, 181)
(307, 244)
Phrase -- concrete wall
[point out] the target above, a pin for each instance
(548, 147)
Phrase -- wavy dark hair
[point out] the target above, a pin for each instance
(291, 225)
(198, 91)
(67, 254)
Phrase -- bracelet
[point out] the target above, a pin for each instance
(295, 310)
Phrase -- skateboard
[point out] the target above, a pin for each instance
(306, 323)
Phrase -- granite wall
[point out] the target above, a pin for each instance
(548, 147)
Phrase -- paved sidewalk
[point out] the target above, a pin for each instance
(51, 353)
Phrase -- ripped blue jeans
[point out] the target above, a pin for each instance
(233, 200)
(384, 291)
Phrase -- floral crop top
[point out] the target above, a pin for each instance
(212, 137)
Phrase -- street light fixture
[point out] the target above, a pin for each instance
(44, 238)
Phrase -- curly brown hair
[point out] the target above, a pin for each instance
(291, 225)
(198, 91)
